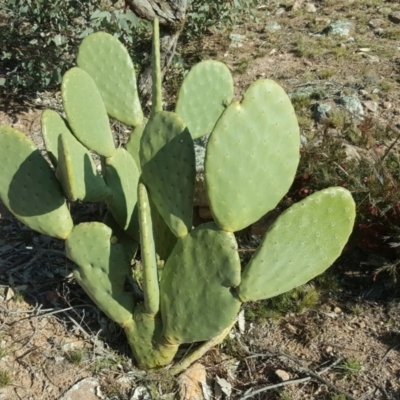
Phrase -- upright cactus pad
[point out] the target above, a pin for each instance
(86, 112)
(148, 252)
(77, 172)
(252, 156)
(168, 169)
(302, 243)
(133, 143)
(122, 178)
(104, 265)
(108, 62)
(197, 281)
(52, 126)
(205, 93)
(29, 188)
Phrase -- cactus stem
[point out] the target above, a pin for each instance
(156, 67)
(149, 261)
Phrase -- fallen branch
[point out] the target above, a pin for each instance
(311, 375)
(290, 382)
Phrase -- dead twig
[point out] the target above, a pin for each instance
(304, 369)
(290, 382)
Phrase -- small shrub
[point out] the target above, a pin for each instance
(205, 14)
(5, 378)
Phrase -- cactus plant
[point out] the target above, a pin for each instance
(193, 281)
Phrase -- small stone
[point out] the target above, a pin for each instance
(363, 93)
(280, 11)
(282, 375)
(296, 5)
(376, 23)
(310, 8)
(84, 389)
(323, 111)
(371, 105)
(337, 310)
(192, 382)
(339, 28)
(291, 328)
(395, 17)
(372, 59)
(387, 105)
(353, 105)
(236, 40)
(362, 324)
(272, 26)
(329, 349)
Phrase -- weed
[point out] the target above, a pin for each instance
(3, 353)
(5, 378)
(327, 281)
(392, 34)
(283, 395)
(101, 363)
(326, 73)
(301, 102)
(232, 348)
(386, 86)
(19, 297)
(75, 356)
(242, 66)
(356, 310)
(295, 301)
(339, 397)
(350, 367)
(114, 390)
(308, 49)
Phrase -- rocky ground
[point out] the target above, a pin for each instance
(340, 62)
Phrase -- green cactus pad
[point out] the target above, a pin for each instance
(196, 299)
(103, 268)
(252, 156)
(122, 178)
(77, 172)
(205, 93)
(86, 112)
(151, 290)
(164, 239)
(29, 188)
(52, 126)
(108, 62)
(133, 143)
(302, 243)
(168, 169)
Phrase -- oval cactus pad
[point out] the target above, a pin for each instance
(108, 62)
(86, 112)
(302, 243)
(122, 178)
(52, 126)
(252, 156)
(103, 268)
(168, 169)
(205, 93)
(77, 172)
(29, 188)
(196, 299)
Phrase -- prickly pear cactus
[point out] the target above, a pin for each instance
(193, 283)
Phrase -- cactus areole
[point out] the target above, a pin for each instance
(193, 282)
